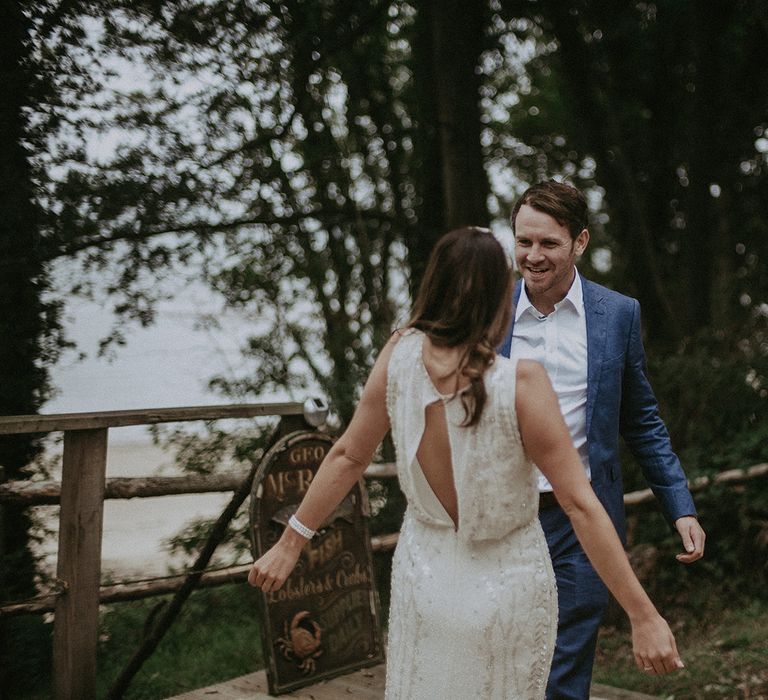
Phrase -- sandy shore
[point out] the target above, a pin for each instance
(135, 530)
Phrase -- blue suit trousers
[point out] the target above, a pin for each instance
(582, 599)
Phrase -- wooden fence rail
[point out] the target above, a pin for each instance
(37, 493)
(730, 476)
(15, 425)
(149, 588)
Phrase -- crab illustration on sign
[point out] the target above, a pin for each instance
(301, 642)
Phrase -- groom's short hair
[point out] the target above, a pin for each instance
(564, 203)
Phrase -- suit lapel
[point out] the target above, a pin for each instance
(597, 324)
(506, 345)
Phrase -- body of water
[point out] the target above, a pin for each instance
(168, 363)
(136, 530)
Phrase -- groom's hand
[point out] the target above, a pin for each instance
(693, 539)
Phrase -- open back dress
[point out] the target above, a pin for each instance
(473, 612)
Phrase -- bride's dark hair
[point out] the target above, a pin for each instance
(465, 298)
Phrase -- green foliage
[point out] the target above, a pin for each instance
(234, 547)
(25, 655)
(660, 109)
(29, 319)
(270, 143)
(736, 522)
(723, 643)
(714, 396)
(212, 446)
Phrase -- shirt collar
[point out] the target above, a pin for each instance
(523, 304)
(575, 295)
(575, 298)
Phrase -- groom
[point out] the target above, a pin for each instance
(588, 339)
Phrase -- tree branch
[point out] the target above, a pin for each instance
(102, 241)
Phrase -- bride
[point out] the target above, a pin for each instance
(474, 605)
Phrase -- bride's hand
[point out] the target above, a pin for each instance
(270, 571)
(654, 646)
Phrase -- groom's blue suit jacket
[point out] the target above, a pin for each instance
(620, 401)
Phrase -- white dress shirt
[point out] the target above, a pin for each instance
(559, 342)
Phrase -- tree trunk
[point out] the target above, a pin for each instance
(23, 380)
(458, 42)
(594, 109)
(454, 186)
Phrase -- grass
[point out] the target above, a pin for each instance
(725, 650)
(215, 638)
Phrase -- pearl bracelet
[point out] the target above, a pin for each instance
(302, 529)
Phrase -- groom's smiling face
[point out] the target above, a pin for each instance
(545, 255)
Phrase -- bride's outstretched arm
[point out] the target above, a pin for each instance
(548, 443)
(338, 473)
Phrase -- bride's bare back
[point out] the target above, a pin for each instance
(434, 452)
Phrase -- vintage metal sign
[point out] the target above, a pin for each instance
(325, 619)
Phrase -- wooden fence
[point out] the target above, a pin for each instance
(81, 492)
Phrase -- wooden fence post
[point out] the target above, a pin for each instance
(75, 634)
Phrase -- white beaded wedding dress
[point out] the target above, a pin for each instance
(473, 611)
